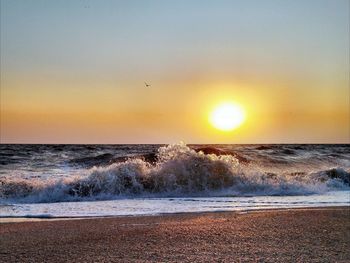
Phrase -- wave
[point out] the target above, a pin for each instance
(176, 171)
(108, 158)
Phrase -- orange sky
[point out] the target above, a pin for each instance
(70, 75)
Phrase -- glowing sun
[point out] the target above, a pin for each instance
(227, 116)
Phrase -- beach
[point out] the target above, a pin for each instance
(174, 131)
(285, 235)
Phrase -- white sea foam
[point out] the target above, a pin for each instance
(153, 206)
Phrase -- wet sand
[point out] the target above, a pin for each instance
(297, 235)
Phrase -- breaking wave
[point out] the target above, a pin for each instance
(178, 171)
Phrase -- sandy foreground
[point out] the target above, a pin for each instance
(297, 235)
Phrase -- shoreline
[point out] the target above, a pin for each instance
(15, 219)
(283, 235)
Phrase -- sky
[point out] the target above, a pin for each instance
(73, 71)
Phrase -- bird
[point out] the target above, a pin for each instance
(147, 85)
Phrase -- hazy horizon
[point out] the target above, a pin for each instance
(74, 71)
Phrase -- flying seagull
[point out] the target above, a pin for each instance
(147, 85)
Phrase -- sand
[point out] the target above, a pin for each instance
(298, 235)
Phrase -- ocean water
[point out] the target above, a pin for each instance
(110, 180)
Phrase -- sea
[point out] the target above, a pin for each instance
(59, 181)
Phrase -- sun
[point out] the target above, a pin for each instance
(227, 116)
